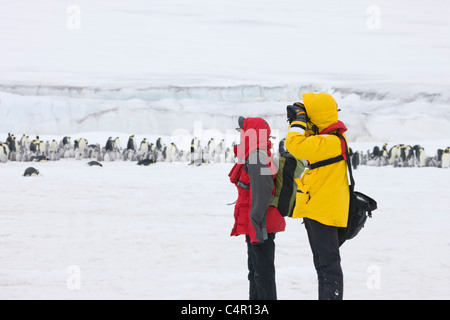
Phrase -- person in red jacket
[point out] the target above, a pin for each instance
(253, 176)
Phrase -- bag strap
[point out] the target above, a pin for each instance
(326, 162)
(349, 165)
(344, 156)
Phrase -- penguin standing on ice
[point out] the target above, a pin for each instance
(195, 146)
(384, 155)
(117, 144)
(419, 156)
(42, 147)
(211, 149)
(23, 141)
(229, 155)
(82, 144)
(220, 152)
(4, 153)
(159, 145)
(53, 146)
(131, 145)
(53, 150)
(445, 163)
(143, 148)
(394, 153)
(11, 142)
(33, 147)
(110, 144)
(170, 152)
(354, 158)
(66, 140)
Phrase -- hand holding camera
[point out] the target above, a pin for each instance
(296, 112)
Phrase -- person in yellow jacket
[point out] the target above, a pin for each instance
(323, 191)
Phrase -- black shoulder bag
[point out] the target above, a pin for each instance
(361, 205)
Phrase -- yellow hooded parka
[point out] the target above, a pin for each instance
(323, 193)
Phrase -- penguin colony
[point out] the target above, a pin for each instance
(401, 155)
(36, 150)
(27, 150)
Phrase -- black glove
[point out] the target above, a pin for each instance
(296, 112)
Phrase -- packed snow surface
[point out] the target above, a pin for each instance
(162, 232)
(177, 69)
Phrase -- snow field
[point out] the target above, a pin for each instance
(156, 69)
(162, 232)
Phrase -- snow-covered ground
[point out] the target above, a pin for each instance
(177, 69)
(162, 232)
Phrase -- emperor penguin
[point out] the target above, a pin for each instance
(420, 156)
(110, 144)
(143, 148)
(22, 140)
(41, 147)
(282, 146)
(159, 145)
(34, 146)
(53, 151)
(384, 155)
(53, 146)
(146, 162)
(384, 151)
(164, 153)
(376, 152)
(20, 153)
(66, 140)
(4, 152)
(229, 155)
(39, 158)
(171, 152)
(131, 143)
(94, 163)
(211, 148)
(82, 144)
(193, 149)
(394, 152)
(117, 143)
(30, 172)
(219, 152)
(68, 153)
(196, 143)
(445, 163)
(11, 142)
(25, 142)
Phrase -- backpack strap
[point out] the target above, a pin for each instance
(326, 162)
(344, 156)
(349, 165)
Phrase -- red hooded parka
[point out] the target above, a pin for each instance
(255, 135)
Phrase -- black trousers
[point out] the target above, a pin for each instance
(261, 269)
(324, 244)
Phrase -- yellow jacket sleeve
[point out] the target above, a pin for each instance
(302, 145)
